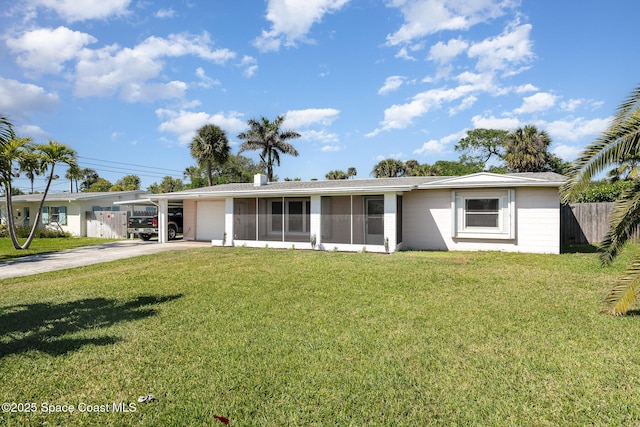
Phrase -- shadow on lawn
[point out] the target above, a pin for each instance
(49, 328)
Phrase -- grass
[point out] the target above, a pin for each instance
(44, 245)
(281, 337)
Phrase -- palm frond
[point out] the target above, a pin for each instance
(623, 222)
(624, 293)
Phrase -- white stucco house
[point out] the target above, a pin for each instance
(483, 211)
(70, 212)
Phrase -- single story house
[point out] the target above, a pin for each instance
(71, 212)
(514, 212)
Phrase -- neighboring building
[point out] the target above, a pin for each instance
(483, 211)
(70, 212)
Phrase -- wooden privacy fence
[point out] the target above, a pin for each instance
(585, 223)
(107, 224)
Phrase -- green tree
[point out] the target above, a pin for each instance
(89, 177)
(209, 146)
(127, 183)
(483, 144)
(526, 150)
(452, 168)
(51, 154)
(388, 168)
(168, 184)
(267, 137)
(12, 153)
(99, 185)
(620, 141)
(351, 172)
(336, 174)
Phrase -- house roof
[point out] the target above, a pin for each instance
(72, 197)
(375, 185)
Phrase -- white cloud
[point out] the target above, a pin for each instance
(444, 53)
(184, 124)
(539, 102)
(526, 88)
(31, 98)
(576, 129)
(331, 148)
(401, 116)
(165, 13)
(46, 50)
(205, 81)
(250, 65)
(321, 135)
(292, 20)
(32, 131)
(566, 152)
(425, 17)
(391, 84)
(503, 52)
(440, 145)
(301, 118)
(466, 103)
(111, 70)
(73, 10)
(491, 122)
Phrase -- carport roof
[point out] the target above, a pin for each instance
(70, 197)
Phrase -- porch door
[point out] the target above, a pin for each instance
(374, 223)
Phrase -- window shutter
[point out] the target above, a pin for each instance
(45, 215)
(62, 215)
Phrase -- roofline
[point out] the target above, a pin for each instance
(81, 196)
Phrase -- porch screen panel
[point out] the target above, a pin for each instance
(398, 219)
(244, 218)
(297, 219)
(335, 213)
(270, 219)
(359, 220)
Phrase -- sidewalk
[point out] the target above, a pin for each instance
(87, 255)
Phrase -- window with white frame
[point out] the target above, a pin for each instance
(483, 214)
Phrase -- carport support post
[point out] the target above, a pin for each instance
(163, 223)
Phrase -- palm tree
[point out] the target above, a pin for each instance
(208, 146)
(30, 165)
(6, 131)
(351, 172)
(389, 168)
(336, 174)
(526, 149)
(50, 154)
(619, 142)
(12, 152)
(266, 136)
(74, 173)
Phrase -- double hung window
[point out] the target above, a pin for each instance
(483, 214)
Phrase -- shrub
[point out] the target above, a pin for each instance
(604, 191)
(42, 232)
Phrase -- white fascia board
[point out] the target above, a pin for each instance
(295, 192)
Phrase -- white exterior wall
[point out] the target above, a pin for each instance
(189, 219)
(427, 223)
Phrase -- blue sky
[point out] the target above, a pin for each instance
(127, 83)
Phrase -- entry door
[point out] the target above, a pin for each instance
(374, 224)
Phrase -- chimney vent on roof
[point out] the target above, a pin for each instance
(259, 180)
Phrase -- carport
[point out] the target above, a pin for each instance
(162, 205)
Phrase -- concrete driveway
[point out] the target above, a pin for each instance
(87, 255)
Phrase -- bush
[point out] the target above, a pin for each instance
(604, 191)
(42, 232)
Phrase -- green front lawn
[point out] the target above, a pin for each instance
(282, 337)
(39, 246)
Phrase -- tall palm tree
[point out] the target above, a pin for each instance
(12, 153)
(30, 165)
(266, 136)
(73, 174)
(51, 154)
(351, 172)
(208, 146)
(526, 149)
(620, 141)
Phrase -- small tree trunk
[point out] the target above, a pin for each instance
(37, 219)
